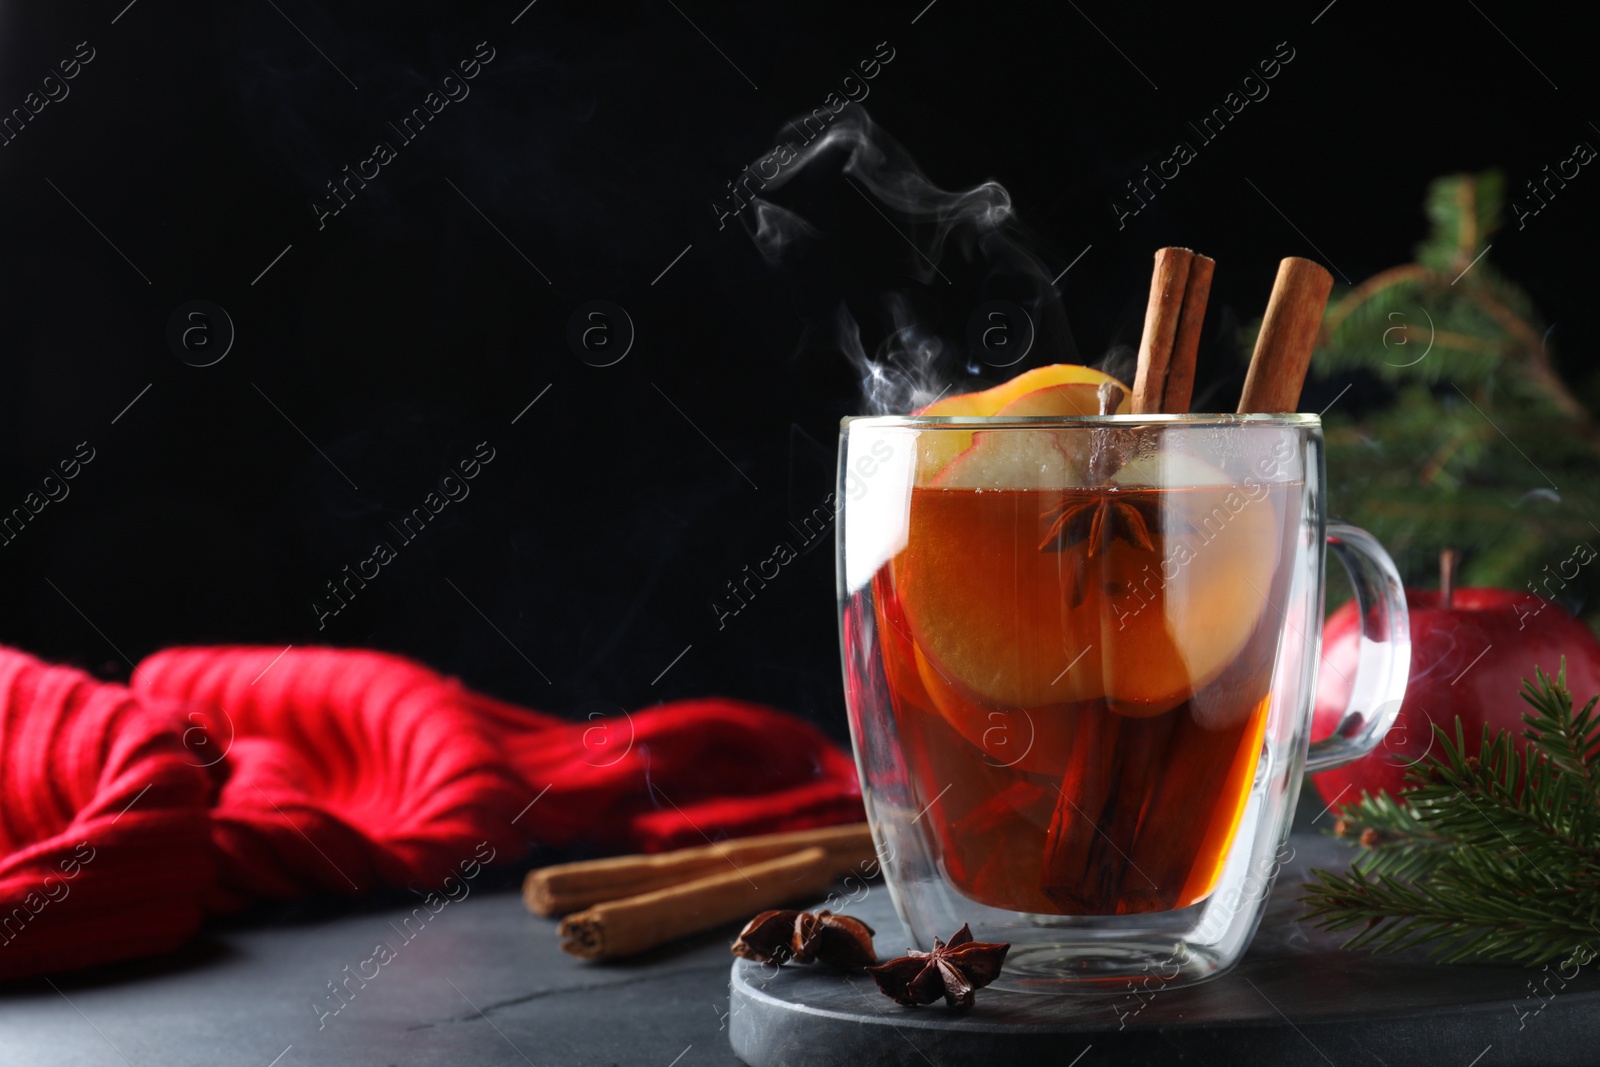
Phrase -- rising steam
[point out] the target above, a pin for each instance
(913, 364)
(907, 371)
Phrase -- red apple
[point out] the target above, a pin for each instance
(1470, 651)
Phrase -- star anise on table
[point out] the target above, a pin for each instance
(839, 941)
(1099, 521)
(954, 971)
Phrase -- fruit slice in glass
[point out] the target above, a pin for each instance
(1113, 657)
(1121, 613)
(1058, 389)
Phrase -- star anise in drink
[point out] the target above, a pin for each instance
(953, 970)
(1099, 521)
(1103, 517)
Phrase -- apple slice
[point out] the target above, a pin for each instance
(1003, 624)
(962, 404)
(997, 397)
(1014, 459)
(1072, 398)
(937, 448)
(1183, 622)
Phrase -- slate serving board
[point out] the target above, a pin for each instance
(1296, 998)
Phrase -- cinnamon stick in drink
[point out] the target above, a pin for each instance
(1212, 754)
(568, 887)
(1179, 288)
(1074, 843)
(1288, 335)
(634, 924)
(1086, 864)
(1080, 874)
(1161, 314)
(1179, 389)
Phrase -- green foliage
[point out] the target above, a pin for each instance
(1487, 856)
(1483, 447)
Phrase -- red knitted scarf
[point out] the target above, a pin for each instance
(221, 776)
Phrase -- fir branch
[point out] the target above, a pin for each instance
(1493, 855)
(1480, 430)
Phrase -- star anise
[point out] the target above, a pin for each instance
(838, 941)
(769, 937)
(954, 971)
(1099, 522)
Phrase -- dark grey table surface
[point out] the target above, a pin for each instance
(1298, 997)
(483, 983)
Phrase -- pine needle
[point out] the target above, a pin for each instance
(1493, 855)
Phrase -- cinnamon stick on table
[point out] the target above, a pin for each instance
(567, 887)
(631, 925)
(1288, 335)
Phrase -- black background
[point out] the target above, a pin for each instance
(407, 329)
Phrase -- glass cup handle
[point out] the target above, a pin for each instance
(1385, 657)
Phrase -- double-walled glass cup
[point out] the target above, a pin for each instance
(1080, 660)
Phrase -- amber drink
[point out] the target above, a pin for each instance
(1079, 661)
(1081, 679)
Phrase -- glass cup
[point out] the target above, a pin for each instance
(1080, 658)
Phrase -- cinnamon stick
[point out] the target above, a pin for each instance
(625, 927)
(1091, 832)
(568, 887)
(1072, 842)
(1186, 344)
(1161, 314)
(1288, 334)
